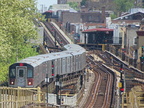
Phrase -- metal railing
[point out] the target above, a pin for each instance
(133, 99)
(19, 97)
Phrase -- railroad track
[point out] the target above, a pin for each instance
(49, 40)
(59, 37)
(130, 74)
(62, 36)
(102, 88)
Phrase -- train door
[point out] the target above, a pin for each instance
(21, 76)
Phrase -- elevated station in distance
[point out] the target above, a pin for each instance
(97, 38)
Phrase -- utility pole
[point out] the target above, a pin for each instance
(47, 81)
(85, 39)
(122, 83)
(58, 88)
(42, 8)
(55, 38)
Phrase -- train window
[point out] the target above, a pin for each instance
(30, 73)
(21, 73)
(12, 73)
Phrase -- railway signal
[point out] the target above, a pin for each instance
(121, 85)
(47, 81)
(142, 59)
(52, 68)
(121, 67)
(121, 71)
(58, 87)
(142, 62)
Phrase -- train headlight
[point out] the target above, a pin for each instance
(12, 81)
(30, 81)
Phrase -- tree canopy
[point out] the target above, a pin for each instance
(123, 5)
(74, 5)
(16, 28)
(83, 2)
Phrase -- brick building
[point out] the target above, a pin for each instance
(83, 17)
(71, 17)
(98, 4)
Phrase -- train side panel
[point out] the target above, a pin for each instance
(68, 65)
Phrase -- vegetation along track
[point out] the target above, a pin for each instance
(102, 88)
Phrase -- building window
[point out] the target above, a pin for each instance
(120, 38)
(90, 18)
(135, 40)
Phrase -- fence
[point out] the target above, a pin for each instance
(133, 99)
(19, 97)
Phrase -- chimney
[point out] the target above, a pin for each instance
(103, 15)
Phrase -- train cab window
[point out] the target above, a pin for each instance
(30, 73)
(12, 73)
(21, 73)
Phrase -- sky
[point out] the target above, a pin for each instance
(45, 4)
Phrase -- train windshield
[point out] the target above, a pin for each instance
(12, 73)
(21, 73)
(30, 73)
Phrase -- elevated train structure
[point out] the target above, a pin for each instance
(102, 92)
(31, 72)
(130, 78)
(96, 38)
(48, 37)
(127, 77)
(54, 37)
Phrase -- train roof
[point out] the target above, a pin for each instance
(36, 60)
(71, 49)
(74, 47)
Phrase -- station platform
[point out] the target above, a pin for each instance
(124, 62)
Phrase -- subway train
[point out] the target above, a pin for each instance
(31, 72)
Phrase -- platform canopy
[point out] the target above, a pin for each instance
(97, 29)
(49, 11)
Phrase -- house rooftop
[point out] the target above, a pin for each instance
(135, 10)
(97, 29)
(57, 7)
(127, 15)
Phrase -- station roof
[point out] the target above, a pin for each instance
(49, 11)
(97, 29)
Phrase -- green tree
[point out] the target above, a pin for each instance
(123, 5)
(113, 16)
(16, 20)
(83, 2)
(16, 28)
(74, 5)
